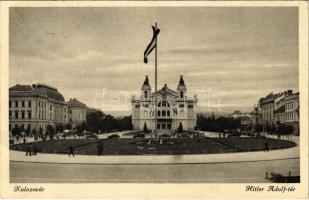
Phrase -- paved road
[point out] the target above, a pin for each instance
(244, 172)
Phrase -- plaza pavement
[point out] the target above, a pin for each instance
(280, 154)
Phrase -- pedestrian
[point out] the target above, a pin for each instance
(99, 148)
(25, 140)
(71, 151)
(266, 146)
(28, 150)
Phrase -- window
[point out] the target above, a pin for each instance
(23, 114)
(163, 103)
(10, 114)
(168, 126)
(145, 94)
(181, 105)
(10, 104)
(16, 115)
(16, 104)
(168, 113)
(190, 106)
(158, 126)
(29, 104)
(163, 113)
(23, 104)
(29, 114)
(136, 106)
(159, 113)
(181, 94)
(163, 126)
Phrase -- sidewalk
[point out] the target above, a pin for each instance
(160, 159)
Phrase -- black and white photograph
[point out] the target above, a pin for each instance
(155, 94)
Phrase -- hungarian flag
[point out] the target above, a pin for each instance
(152, 44)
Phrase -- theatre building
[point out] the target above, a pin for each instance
(171, 108)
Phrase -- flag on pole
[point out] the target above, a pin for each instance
(152, 44)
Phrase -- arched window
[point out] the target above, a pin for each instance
(181, 94)
(145, 94)
(163, 113)
(163, 103)
(159, 113)
(168, 113)
(159, 104)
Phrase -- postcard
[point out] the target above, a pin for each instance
(143, 99)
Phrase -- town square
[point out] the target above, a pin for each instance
(154, 95)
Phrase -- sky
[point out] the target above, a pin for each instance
(229, 57)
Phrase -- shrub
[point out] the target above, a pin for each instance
(113, 136)
(180, 128)
(145, 128)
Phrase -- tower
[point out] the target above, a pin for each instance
(146, 89)
(181, 88)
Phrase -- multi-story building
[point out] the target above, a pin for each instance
(34, 107)
(267, 106)
(292, 111)
(171, 108)
(77, 112)
(280, 108)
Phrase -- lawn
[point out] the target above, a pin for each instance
(173, 146)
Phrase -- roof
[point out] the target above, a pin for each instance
(146, 85)
(280, 110)
(36, 90)
(21, 88)
(75, 103)
(50, 92)
(165, 90)
(181, 84)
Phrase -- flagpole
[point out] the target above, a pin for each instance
(156, 76)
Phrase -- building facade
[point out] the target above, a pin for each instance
(34, 107)
(77, 112)
(280, 108)
(165, 109)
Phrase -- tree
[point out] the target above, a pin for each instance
(28, 130)
(145, 128)
(34, 133)
(284, 129)
(16, 131)
(180, 128)
(59, 128)
(68, 126)
(50, 131)
(258, 128)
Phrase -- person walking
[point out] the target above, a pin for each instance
(99, 149)
(28, 150)
(266, 146)
(71, 151)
